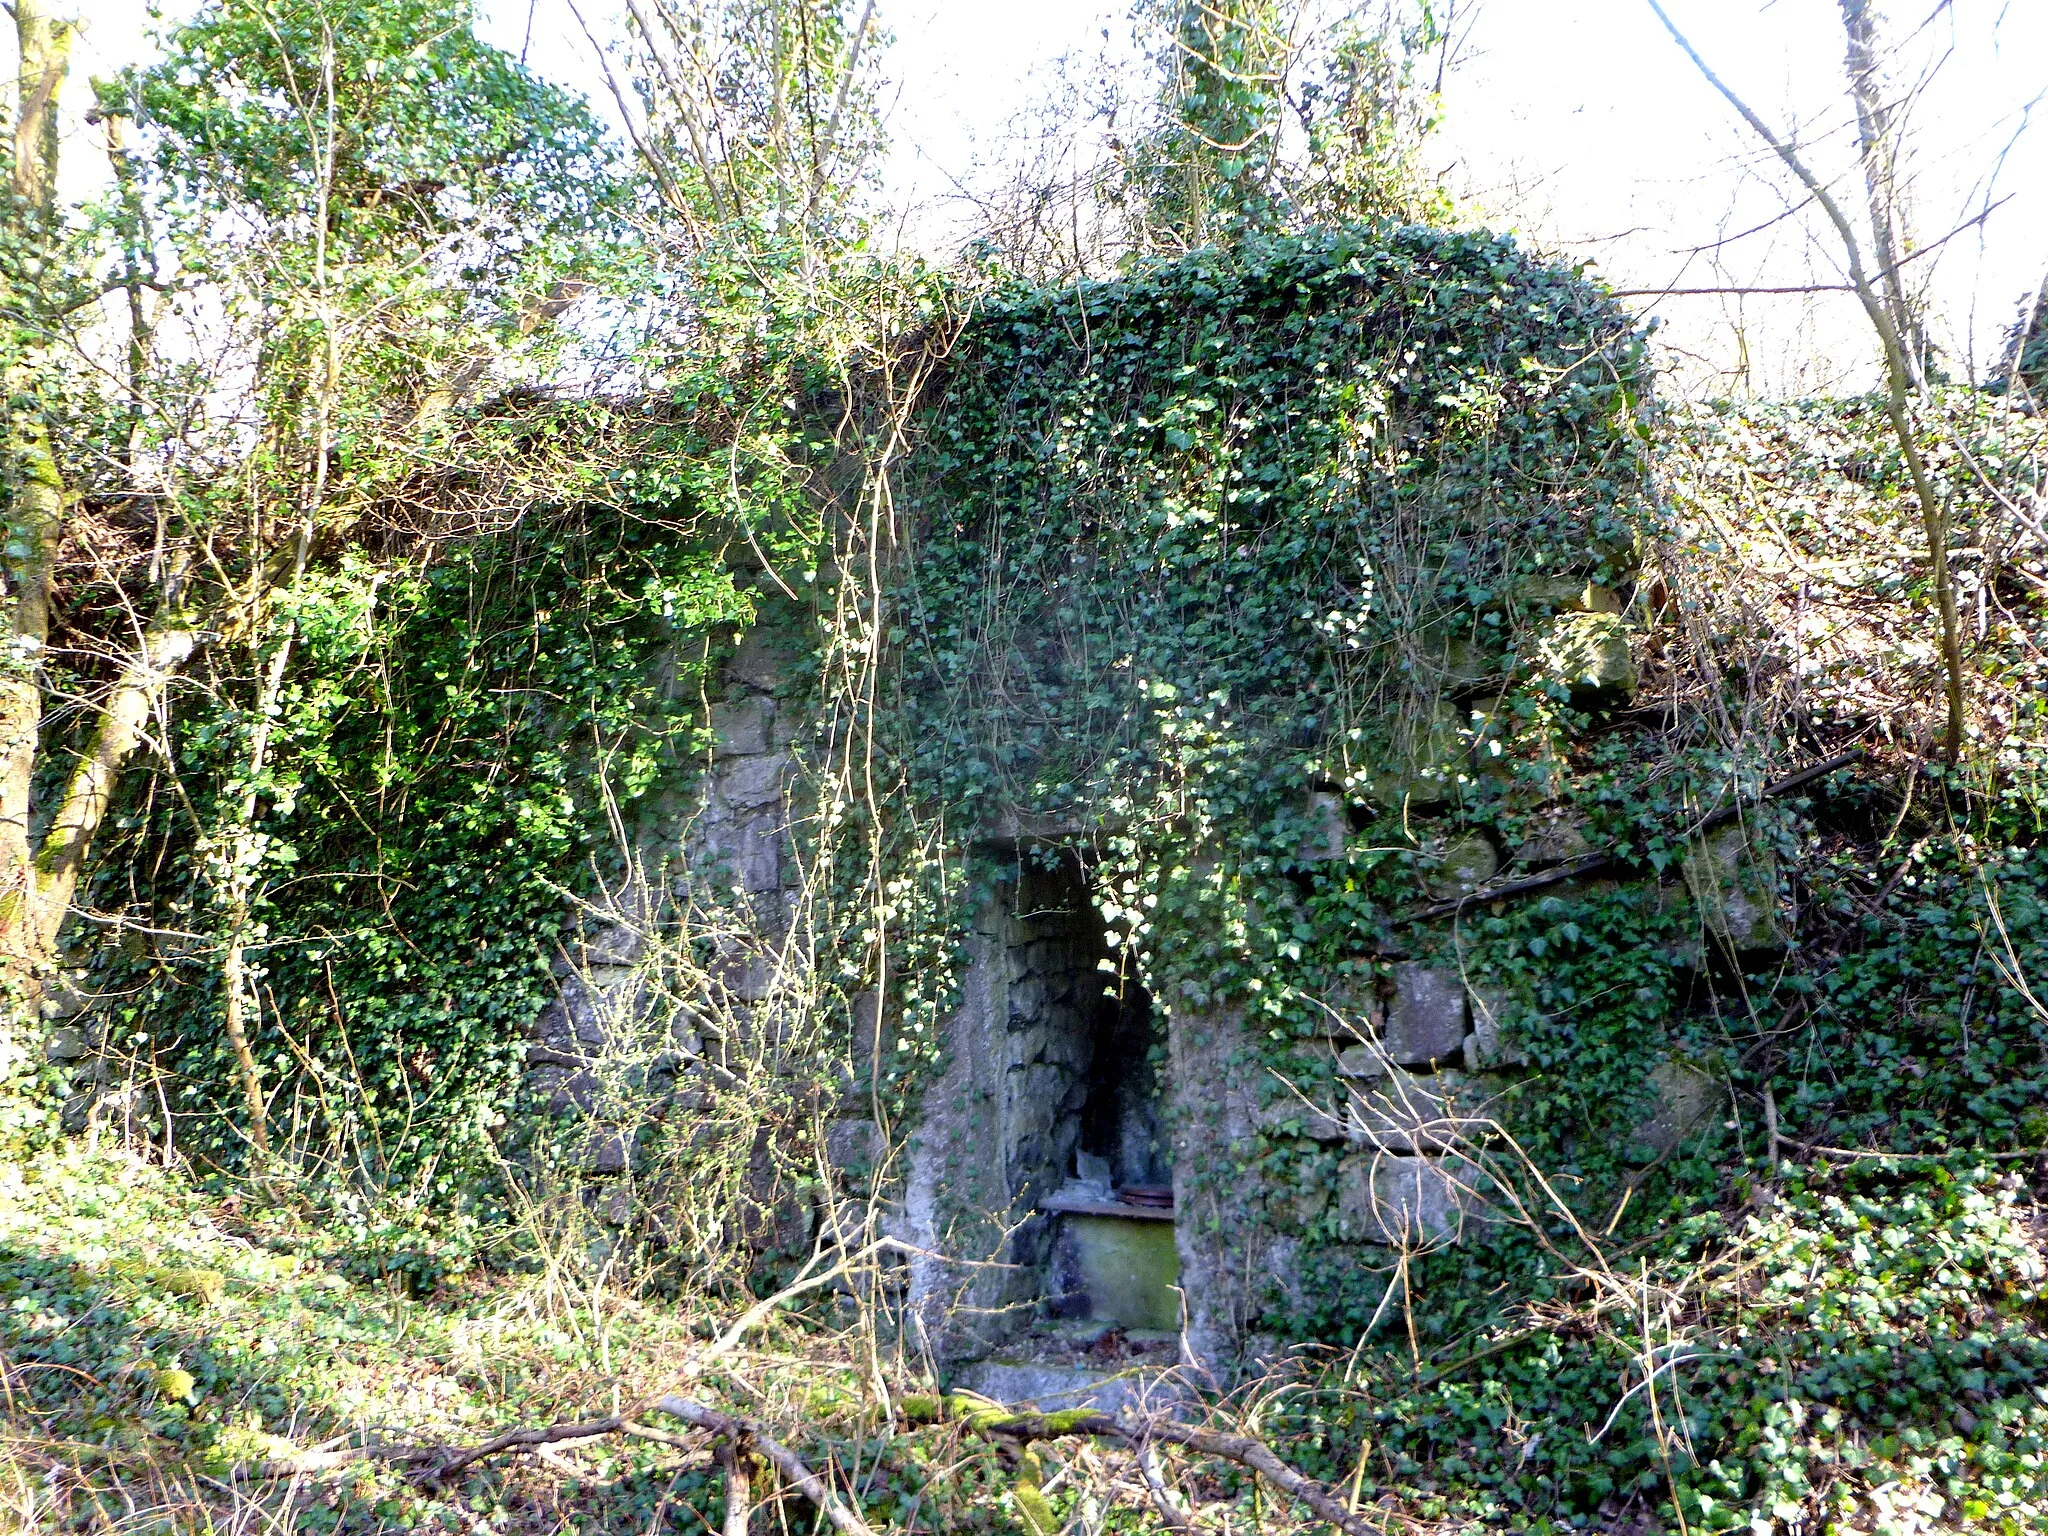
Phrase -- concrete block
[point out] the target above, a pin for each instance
(1427, 1021)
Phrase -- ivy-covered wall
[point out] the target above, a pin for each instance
(1278, 584)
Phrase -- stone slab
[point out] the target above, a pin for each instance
(1051, 1388)
(1125, 1266)
(1427, 1021)
(741, 727)
(1405, 1202)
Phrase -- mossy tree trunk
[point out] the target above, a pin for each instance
(36, 495)
(39, 875)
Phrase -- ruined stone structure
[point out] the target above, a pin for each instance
(1088, 1152)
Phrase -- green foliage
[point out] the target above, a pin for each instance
(1864, 1343)
(1238, 510)
(1241, 82)
(451, 755)
(402, 135)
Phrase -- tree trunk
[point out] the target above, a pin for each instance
(1877, 142)
(124, 717)
(35, 495)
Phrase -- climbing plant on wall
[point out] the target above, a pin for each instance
(1199, 543)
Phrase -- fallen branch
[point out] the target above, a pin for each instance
(438, 1463)
(1171, 1510)
(1596, 863)
(998, 1421)
(733, 1437)
(784, 1460)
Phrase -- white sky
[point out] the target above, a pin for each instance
(1575, 122)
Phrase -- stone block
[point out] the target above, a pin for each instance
(1428, 767)
(1029, 1002)
(742, 727)
(1462, 868)
(613, 944)
(64, 999)
(1567, 594)
(1734, 887)
(1406, 1202)
(866, 1011)
(1466, 663)
(1292, 1114)
(66, 1043)
(1687, 1098)
(577, 1092)
(1127, 1269)
(1362, 1061)
(608, 1152)
(746, 975)
(759, 661)
(1427, 1021)
(1329, 827)
(852, 1146)
(1058, 1387)
(748, 783)
(757, 856)
(1590, 654)
(1351, 1013)
(1554, 837)
(844, 1223)
(1556, 591)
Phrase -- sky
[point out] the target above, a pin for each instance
(1578, 124)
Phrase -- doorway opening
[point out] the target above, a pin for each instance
(1087, 1146)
